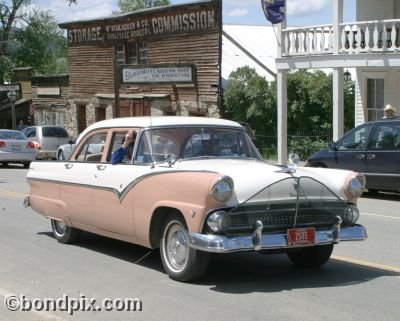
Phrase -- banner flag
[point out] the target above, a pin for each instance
(272, 10)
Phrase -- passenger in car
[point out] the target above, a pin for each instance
(121, 152)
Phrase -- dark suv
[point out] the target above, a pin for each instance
(371, 148)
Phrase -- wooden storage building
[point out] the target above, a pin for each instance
(158, 61)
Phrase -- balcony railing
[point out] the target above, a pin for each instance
(357, 37)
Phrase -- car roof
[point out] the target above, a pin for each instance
(384, 120)
(161, 121)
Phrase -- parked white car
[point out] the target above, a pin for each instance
(193, 186)
(15, 147)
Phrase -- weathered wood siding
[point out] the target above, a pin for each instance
(91, 70)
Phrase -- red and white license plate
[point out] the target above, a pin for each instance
(301, 236)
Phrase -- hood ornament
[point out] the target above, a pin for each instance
(293, 161)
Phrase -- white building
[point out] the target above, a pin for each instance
(249, 45)
(371, 45)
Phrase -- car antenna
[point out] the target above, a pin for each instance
(151, 138)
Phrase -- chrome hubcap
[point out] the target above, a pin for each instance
(60, 227)
(177, 246)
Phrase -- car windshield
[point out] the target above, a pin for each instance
(54, 132)
(12, 134)
(194, 142)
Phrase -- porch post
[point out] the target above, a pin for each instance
(337, 20)
(282, 116)
(282, 98)
(338, 103)
(338, 94)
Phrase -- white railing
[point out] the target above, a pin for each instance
(356, 37)
(308, 40)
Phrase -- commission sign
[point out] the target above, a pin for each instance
(170, 74)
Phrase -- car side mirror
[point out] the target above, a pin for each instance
(333, 146)
(171, 159)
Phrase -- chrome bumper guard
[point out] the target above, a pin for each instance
(26, 202)
(258, 241)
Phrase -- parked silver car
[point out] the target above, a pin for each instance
(16, 148)
(65, 150)
(49, 139)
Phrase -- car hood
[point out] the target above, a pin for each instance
(252, 176)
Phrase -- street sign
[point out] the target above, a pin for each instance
(9, 87)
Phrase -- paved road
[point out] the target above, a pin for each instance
(362, 282)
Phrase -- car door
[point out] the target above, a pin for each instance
(79, 182)
(113, 200)
(351, 149)
(383, 156)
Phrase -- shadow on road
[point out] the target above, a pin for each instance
(14, 166)
(387, 196)
(252, 272)
(239, 273)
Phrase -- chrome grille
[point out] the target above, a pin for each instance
(289, 203)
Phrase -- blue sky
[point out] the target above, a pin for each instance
(299, 12)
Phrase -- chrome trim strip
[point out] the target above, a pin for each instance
(224, 244)
(119, 194)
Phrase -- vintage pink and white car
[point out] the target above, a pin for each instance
(194, 186)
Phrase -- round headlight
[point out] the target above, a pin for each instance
(219, 221)
(356, 186)
(223, 189)
(351, 214)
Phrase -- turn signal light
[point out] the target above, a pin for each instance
(2, 144)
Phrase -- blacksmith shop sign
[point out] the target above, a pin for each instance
(153, 74)
(191, 18)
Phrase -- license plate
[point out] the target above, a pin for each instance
(16, 147)
(301, 236)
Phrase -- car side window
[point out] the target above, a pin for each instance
(117, 140)
(30, 132)
(356, 139)
(92, 148)
(386, 136)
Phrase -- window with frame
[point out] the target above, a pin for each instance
(92, 148)
(356, 139)
(50, 117)
(375, 98)
(117, 140)
(386, 136)
(120, 54)
(134, 53)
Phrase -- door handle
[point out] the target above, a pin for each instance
(360, 156)
(101, 167)
(68, 166)
(371, 156)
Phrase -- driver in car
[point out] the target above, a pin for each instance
(121, 152)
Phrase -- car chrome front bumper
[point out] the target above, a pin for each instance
(258, 241)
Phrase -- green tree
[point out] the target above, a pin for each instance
(249, 98)
(11, 13)
(309, 100)
(41, 44)
(126, 6)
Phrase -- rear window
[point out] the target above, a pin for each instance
(54, 132)
(16, 135)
